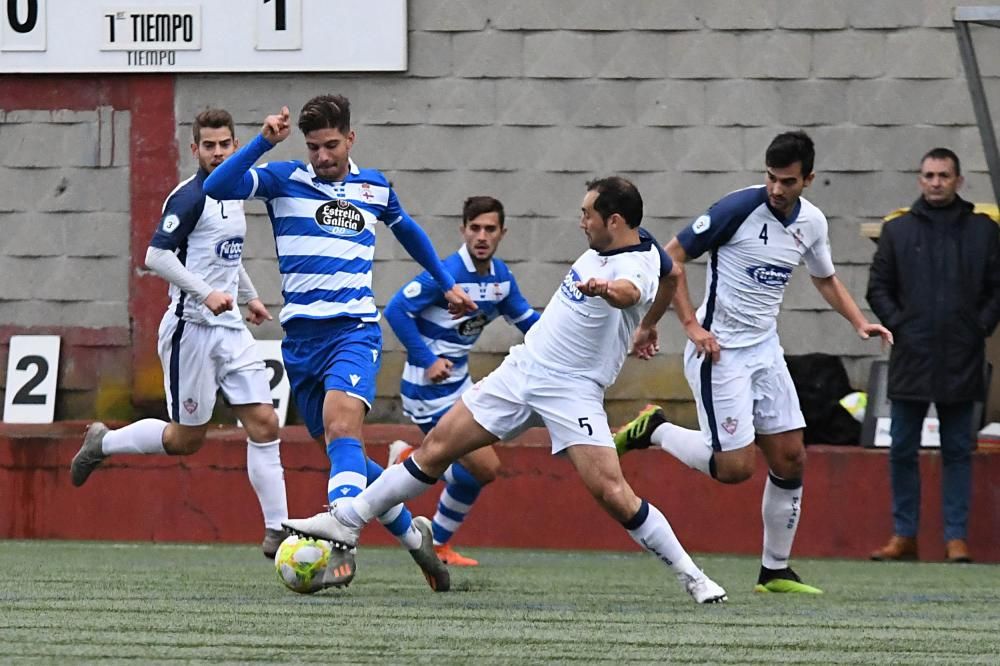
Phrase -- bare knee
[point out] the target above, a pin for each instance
(486, 474)
(615, 496)
(789, 463)
(434, 455)
(181, 440)
(732, 469)
(262, 426)
(338, 428)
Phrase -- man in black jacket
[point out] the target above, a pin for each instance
(935, 282)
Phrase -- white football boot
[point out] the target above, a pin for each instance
(325, 526)
(702, 588)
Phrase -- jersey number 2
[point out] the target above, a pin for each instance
(763, 234)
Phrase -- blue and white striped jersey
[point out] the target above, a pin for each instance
(753, 252)
(418, 314)
(325, 236)
(207, 236)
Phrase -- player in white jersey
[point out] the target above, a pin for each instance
(569, 358)
(204, 345)
(436, 372)
(733, 360)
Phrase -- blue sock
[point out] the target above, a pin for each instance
(397, 519)
(456, 501)
(347, 468)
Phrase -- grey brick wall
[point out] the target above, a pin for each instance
(64, 212)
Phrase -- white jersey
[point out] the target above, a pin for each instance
(753, 252)
(207, 236)
(585, 336)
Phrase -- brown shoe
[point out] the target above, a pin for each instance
(957, 551)
(898, 549)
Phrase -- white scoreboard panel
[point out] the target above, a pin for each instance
(135, 36)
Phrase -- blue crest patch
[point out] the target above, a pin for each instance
(770, 276)
(568, 287)
(230, 249)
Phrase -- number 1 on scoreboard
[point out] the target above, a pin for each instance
(279, 25)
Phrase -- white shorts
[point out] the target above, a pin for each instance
(572, 409)
(748, 391)
(199, 360)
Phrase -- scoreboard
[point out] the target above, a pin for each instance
(143, 36)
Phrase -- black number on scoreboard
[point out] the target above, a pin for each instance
(28, 24)
(24, 396)
(280, 18)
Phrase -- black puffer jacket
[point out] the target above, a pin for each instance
(935, 283)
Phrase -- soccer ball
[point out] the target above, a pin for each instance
(301, 562)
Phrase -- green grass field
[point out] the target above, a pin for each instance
(72, 601)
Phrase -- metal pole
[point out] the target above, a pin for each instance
(979, 103)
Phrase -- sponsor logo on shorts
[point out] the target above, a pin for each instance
(770, 276)
(568, 287)
(340, 218)
(730, 425)
(230, 249)
(473, 325)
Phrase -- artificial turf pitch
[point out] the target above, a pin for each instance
(70, 602)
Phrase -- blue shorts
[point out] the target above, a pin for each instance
(341, 354)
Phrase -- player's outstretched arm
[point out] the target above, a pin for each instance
(704, 341)
(232, 179)
(646, 340)
(246, 293)
(835, 293)
(418, 245)
(398, 315)
(618, 293)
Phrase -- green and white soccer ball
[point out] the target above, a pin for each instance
(300, 563)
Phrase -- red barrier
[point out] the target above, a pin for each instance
(537, 502)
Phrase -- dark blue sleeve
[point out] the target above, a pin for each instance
(412, 237)
(718, 225)
(515, 306)
(181, 213)
(666, 263)
(407, 302)
(232, 179)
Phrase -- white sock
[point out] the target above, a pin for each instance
(145, 437)
(649, 528)
(781, 508)
(411, 538)
(268, 480)
(395, 485)
(688, 446)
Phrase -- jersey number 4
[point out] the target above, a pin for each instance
(763, 234)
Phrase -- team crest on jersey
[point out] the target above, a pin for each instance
(568, 286)
(702, 224)
(770, 276)
(340, 218)
(473, 325)
(230, 249)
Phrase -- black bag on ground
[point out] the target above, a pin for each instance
(821, 381)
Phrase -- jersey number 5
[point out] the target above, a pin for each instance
(763, 234)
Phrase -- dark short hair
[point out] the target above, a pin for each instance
(214, 118)
(326, 111)
(942, 154)
(476, 206)
(790, 147)
(617, 195)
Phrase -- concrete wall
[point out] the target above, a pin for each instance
(526, 100)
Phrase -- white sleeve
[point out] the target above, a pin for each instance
(166, 264)
(245, 292)
(817, 257)
(642, 270)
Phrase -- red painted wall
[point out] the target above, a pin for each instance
(537, 503)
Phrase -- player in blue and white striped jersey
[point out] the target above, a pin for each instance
(204, 345)
(436, 372)
(733, 360)
(323, 215)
